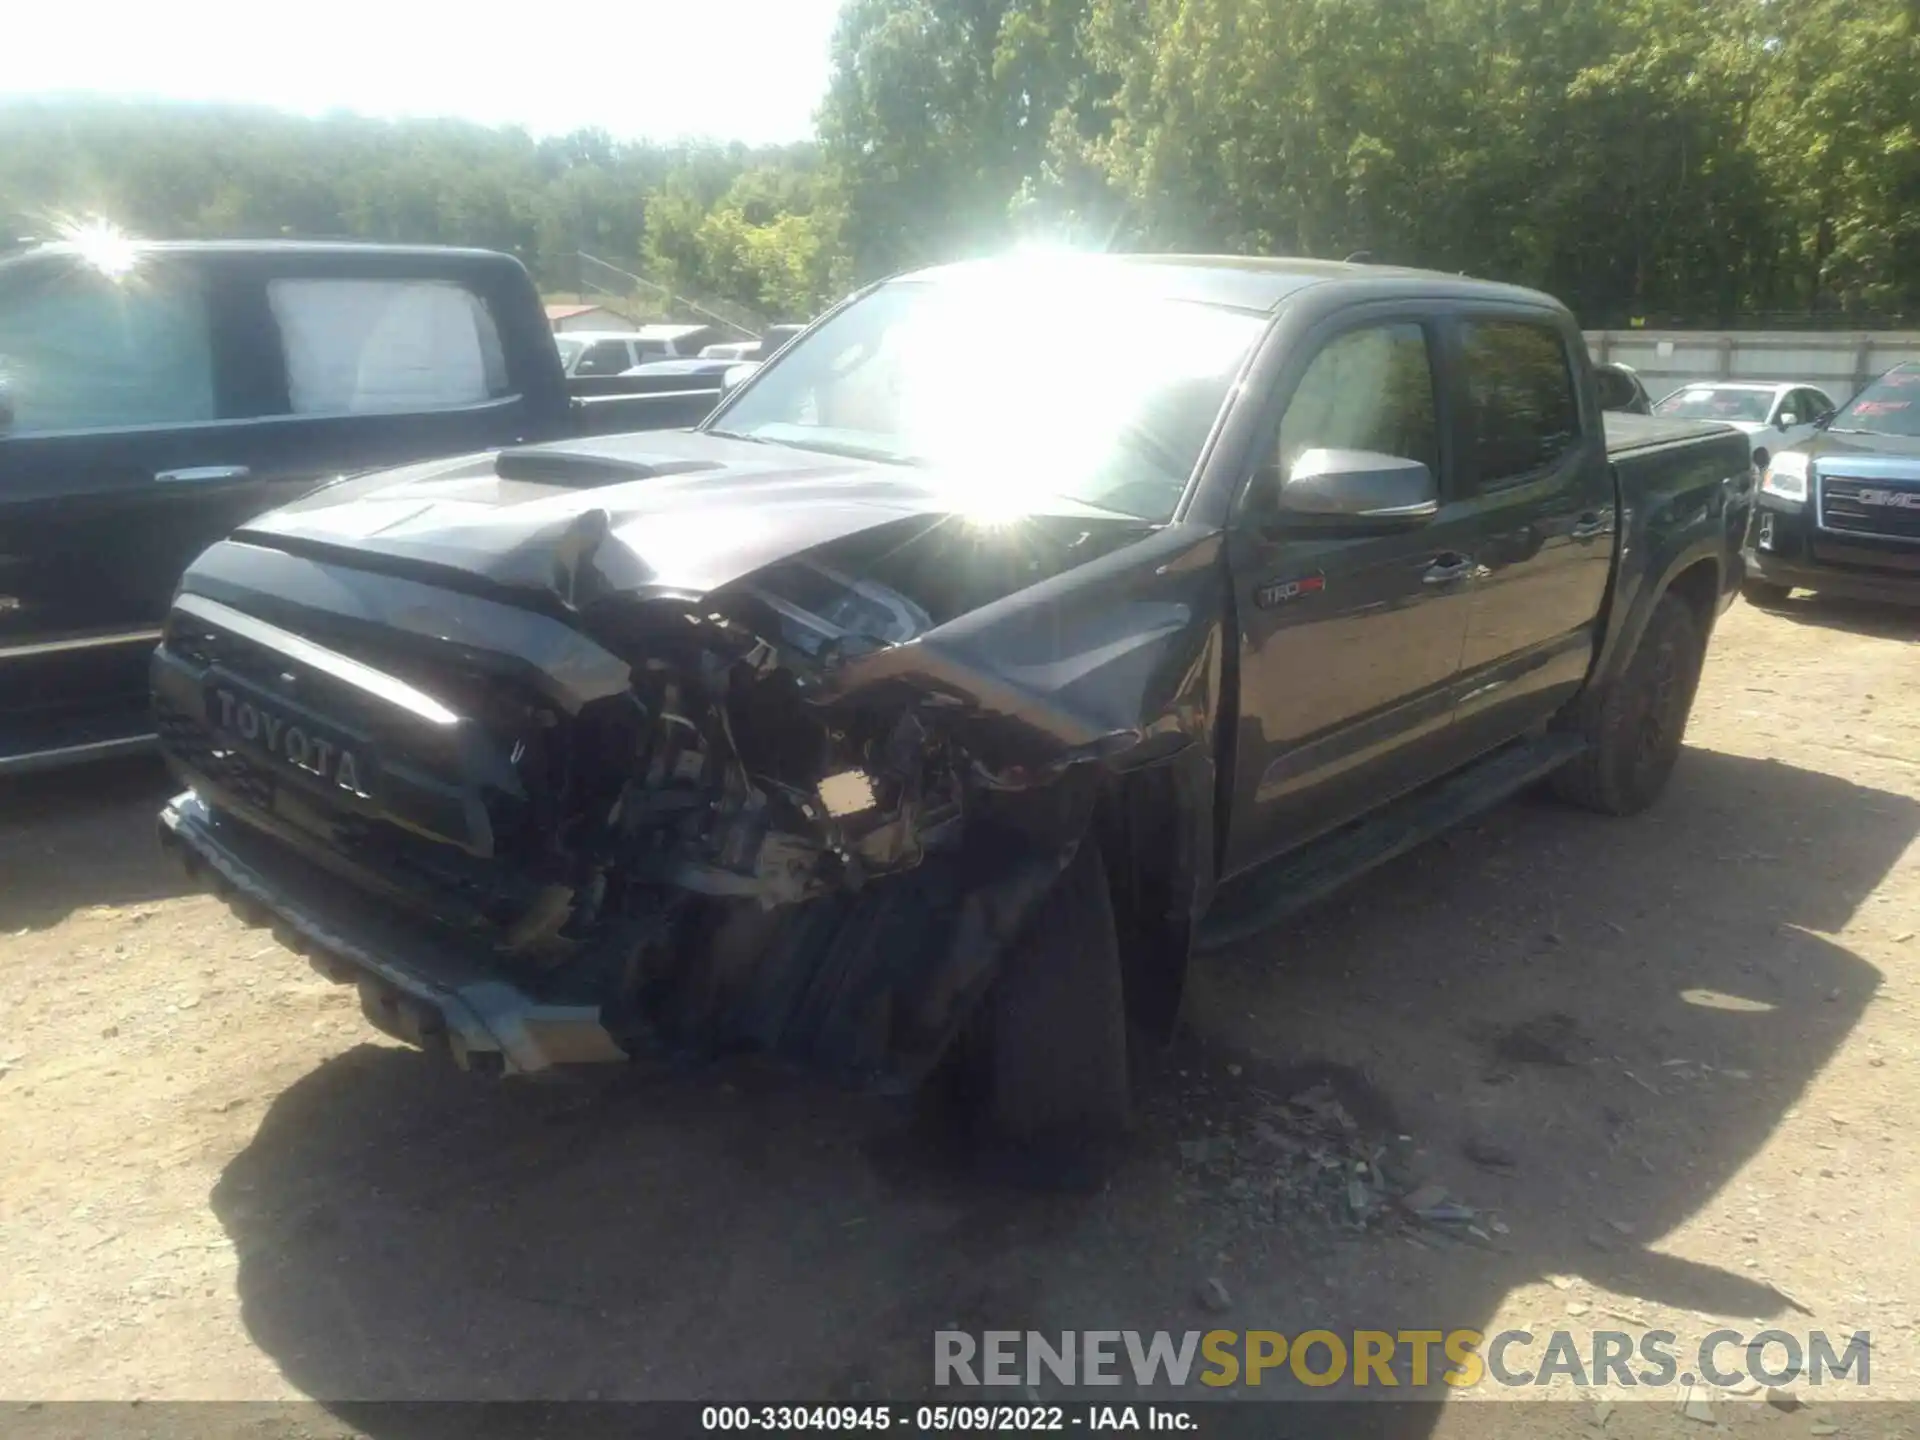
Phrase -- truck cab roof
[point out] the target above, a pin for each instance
(1241, 282)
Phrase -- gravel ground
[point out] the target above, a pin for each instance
(1662, 1070)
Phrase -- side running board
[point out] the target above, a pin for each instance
(1253, 902)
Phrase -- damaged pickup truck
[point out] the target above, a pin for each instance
(929, 707)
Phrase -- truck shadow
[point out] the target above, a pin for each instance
(1625, 1011)
(1856, 617)
(66, 844)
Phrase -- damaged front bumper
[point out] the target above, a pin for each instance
(865, 990)
(413, 986)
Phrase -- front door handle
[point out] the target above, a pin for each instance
(1445, 569)
(202, 474)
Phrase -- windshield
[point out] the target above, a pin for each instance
(1709, 402)
(946, 375)
(1889, 406)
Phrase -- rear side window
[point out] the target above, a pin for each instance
(356, 347)
(1522, 412)
(80, 350)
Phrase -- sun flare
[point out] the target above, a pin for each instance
(102, 245)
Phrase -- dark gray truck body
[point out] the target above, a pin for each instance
(680, 741)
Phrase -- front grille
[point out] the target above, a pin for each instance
(389, 838)
(1884, 509)
(188, 740)
(436, 810)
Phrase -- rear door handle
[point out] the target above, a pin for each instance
(1445, 569)
(203, 474)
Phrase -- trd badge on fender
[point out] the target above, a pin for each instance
(289, 741)
(1281, 591)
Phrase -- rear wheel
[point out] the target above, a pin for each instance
(1635, 729)
(1050, 1055)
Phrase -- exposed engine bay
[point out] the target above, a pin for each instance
(723, 812)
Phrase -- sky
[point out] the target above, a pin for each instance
(751, 70)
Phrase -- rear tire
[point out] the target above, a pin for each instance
(1053, 1052)
(1634, 731)
(1764, 594)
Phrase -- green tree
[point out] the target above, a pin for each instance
(174, 170)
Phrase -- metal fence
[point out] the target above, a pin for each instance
(1839, 362)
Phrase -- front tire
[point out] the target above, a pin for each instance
(1635, 730)
(1054, 1048)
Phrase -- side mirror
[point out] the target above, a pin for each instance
(1824, 419)
(1362, 491)
(1788, 420)
(736, 375)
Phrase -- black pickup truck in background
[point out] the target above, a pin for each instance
(920, 713)
(155, 396)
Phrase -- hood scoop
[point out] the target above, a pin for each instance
(585, 470)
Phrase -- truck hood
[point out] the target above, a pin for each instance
(1870, 456)
(653, 514)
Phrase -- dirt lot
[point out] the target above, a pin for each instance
(1670, 1063)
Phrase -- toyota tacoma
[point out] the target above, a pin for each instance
(930, 706)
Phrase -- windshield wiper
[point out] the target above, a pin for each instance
(1108, 511)
(739, 435)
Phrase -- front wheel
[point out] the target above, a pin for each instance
(1634, 730)
(1053, 1052)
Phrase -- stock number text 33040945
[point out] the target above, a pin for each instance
(923, 1418)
